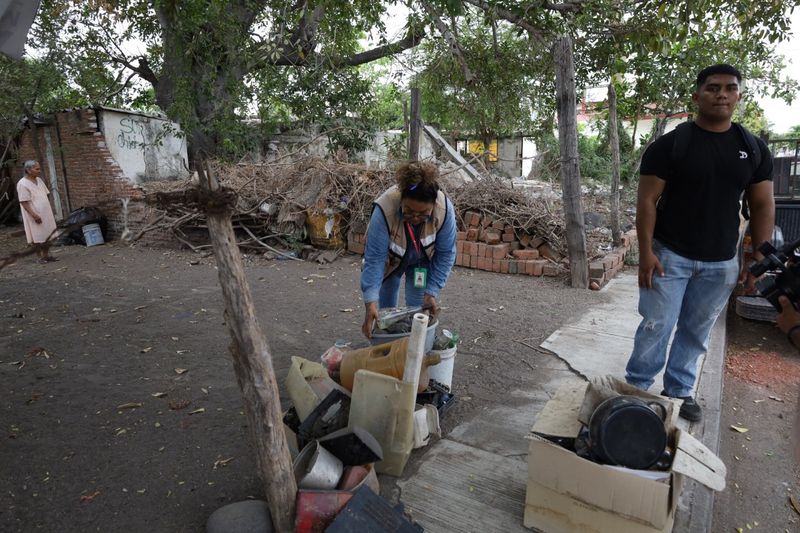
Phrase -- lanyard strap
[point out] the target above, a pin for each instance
(414, 241)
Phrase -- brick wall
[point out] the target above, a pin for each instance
(88, 175)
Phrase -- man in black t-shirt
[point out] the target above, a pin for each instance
(687, 220)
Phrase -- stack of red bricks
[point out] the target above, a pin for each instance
(603, 270)
(357, 238)
(493, 246)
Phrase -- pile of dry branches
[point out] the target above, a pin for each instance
(274, 199)
(538, 216)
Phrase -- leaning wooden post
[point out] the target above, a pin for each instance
(613, 141)
(416, 126)
(570, 164)
(252, 360)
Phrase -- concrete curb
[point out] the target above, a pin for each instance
(696, 505)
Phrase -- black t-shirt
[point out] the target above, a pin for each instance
(698, 213)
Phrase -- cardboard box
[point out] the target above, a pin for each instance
(566, 493)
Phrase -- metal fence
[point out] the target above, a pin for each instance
(786, 171)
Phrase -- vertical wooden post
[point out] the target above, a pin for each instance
(416, 126)
(613, 140)
(570, 167)
(252, 363)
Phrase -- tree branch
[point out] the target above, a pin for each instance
(510, 17)
(412, 39)
(571, 6)
(455, 48)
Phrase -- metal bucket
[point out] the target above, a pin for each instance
(317, 468)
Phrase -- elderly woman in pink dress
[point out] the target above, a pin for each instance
(37, 215)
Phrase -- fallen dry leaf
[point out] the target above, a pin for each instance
(740, 429)
(347, 310)
(181, 370)
(158, 394)
(795, 503)
(198, 411)
(776, 398)
(222, 462)
(139, 307)
(758, 401)
(145, 350)
(90, 497)
(130, 405)
(205, 391)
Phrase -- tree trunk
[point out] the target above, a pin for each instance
(252, 363)
(570, 164)
(661, 126)
(416, 126)
(613, 140)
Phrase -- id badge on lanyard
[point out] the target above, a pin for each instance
(420, 278)
(420, 273)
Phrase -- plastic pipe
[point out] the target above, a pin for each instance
(416, 349)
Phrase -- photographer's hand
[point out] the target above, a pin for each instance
(789, 317)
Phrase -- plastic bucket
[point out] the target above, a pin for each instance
(443, 372)
(383, 338)
(92, 235)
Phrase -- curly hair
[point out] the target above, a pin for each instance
(418, 181)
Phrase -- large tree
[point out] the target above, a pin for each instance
(201, 57)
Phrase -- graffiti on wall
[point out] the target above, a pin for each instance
(147, 148)
(132, 134)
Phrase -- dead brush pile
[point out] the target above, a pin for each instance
(273, 201)
(535, 216)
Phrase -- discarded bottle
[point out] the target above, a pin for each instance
(445, 340)
(453, 336)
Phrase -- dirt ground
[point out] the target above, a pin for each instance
(120, 410)
(762, 383)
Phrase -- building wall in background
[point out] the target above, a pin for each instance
(145, 147)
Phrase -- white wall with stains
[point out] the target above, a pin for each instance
(146, 147)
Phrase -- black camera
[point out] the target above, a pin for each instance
(782, 269)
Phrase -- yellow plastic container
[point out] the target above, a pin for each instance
(325, 231)
(384, 406)
(388, 359)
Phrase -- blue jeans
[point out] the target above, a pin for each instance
(692, 294)
(390, 290)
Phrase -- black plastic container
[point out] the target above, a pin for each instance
(627, 431)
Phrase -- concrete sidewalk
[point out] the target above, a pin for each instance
(474, 479)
